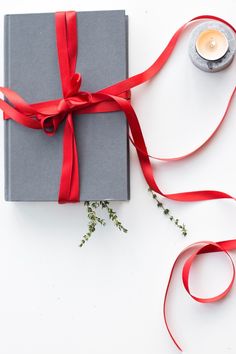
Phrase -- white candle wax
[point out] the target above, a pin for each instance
(212, 44)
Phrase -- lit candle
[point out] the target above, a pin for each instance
(212, 46)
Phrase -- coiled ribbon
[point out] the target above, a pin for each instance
(49, 114)
(200, 248)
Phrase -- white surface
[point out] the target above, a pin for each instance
(106, 298)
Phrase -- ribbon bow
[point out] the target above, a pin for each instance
(49, 114)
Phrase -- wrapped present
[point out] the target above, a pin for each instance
(33, 159)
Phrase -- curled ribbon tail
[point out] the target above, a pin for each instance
(198, 248)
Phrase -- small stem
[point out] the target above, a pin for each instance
(166, 211)
(113, 216)
(94, 219)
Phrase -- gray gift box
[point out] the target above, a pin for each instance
(33, 159)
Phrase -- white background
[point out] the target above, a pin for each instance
(106, 298)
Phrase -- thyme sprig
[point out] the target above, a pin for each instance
(94, 219)
(166, 211)
(113, 216)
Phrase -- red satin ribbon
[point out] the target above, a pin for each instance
(200, 248)
(48, 115)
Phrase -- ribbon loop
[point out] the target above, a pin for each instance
(202, 247)
(76, 81)
(212, 247)
(49, 125)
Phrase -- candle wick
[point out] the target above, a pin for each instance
(212, 43)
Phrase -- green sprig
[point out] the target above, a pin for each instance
(113, 216)
(94, 219)
(166, 211)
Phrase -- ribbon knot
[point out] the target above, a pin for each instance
(74, 103)
(64, 106)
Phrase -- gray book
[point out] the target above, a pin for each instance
(33, 159)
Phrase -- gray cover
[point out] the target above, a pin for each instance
(32, 159)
